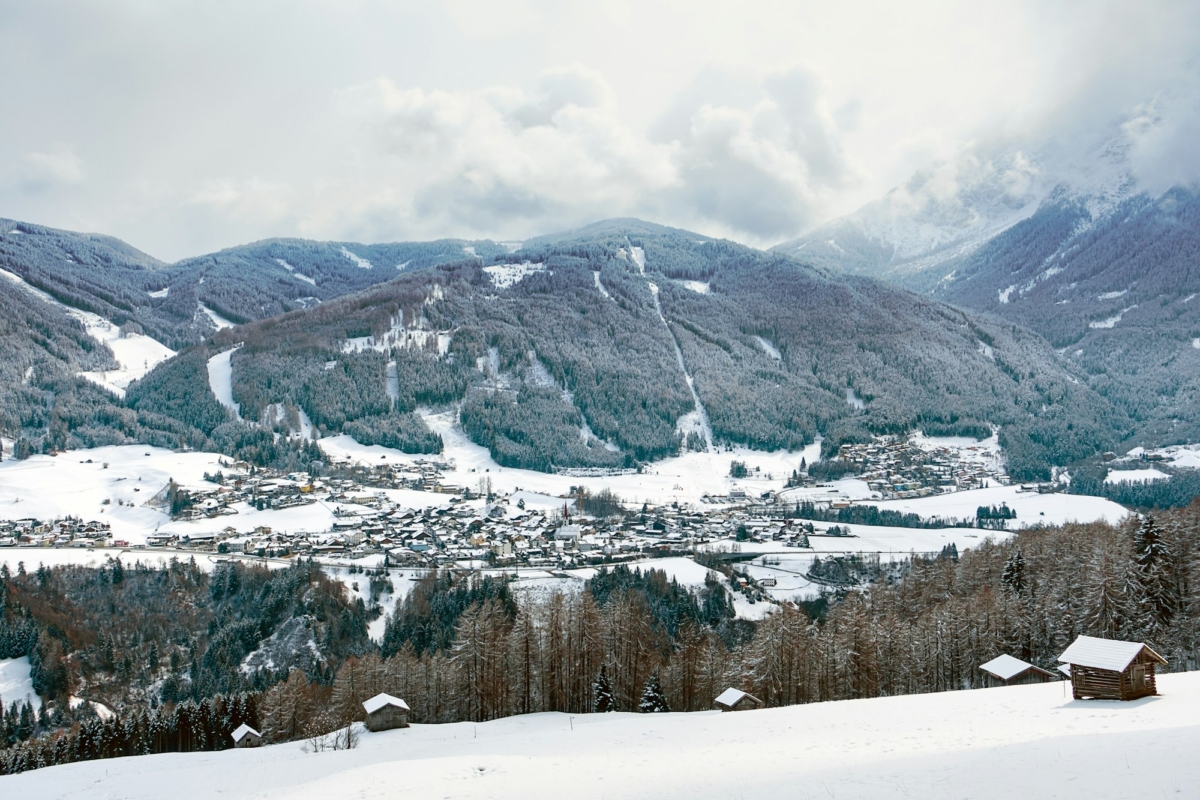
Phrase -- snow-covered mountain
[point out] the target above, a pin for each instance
(1061, 238)
(948, 210)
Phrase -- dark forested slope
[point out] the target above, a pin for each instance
(560, 356)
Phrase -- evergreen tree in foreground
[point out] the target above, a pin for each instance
(602, 694)
(653, 699)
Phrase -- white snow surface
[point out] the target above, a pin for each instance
(769, 348)
(359, 261)
(1021, 741)
(699, 287)
(600, 286)
(1032, 508)
(217, 320)
(1183, 456)
(220, 379)
(1112, 321)
(1135, 475)
(16, 686)
(505, 275)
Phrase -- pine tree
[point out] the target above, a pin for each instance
(1013, 577)
(1157, 594)
(602, 694)
(653, 699)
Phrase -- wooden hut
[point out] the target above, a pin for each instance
(737, 700)
(245, 736)
(1108, 669)
(385, 712)
(1005, 670)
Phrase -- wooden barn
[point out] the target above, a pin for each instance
(385, 712)
(737, 700)
(1005, 670)
(1108, 669)
(245, 736)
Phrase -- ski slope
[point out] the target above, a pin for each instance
(1012, 742)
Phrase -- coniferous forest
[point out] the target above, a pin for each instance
(177, 653)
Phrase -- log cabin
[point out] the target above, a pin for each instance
(1005, 670)
(385, 712)
(1109, 669)
(736, 700)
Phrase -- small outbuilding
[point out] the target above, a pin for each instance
(245, 736)
(385, 712)
(1006, 670)
(736, 700)
(1109, 669)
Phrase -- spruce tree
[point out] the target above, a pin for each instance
(602, 694)
(653, 699)
(1158, 597)
(1013, 577)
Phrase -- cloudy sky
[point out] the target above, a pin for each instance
(183, 127)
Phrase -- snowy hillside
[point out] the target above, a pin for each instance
(1026, 741)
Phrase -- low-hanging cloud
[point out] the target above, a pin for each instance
(502, 159)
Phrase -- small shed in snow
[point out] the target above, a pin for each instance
(736, 700)
(385, 712)
(245, 736)
(1005, 670)
(1109, 669)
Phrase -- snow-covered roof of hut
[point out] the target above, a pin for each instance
(730, 696)
(1005, 667)
(1108, 654)
(243, 731)
(380, 700)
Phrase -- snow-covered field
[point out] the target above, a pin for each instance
(15, 683)
(1013, 742)
(1032, 508)
(1135, 475)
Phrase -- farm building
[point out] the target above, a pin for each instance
(385, 712)
(737, 700)
(245, 736)
(1005, 670)
(1107, 669)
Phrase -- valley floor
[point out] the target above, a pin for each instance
(1027, 741)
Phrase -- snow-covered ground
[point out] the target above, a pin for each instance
(1032, 508)
(505, 275)
(220, 380)
(15, 684)
(217, 320)
(1135, 475)
(1022, 741)
(136, 354)
(49, 487)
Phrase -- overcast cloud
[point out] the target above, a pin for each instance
(183, 127)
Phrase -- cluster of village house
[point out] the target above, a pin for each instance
(470, 530)
(897, 467)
